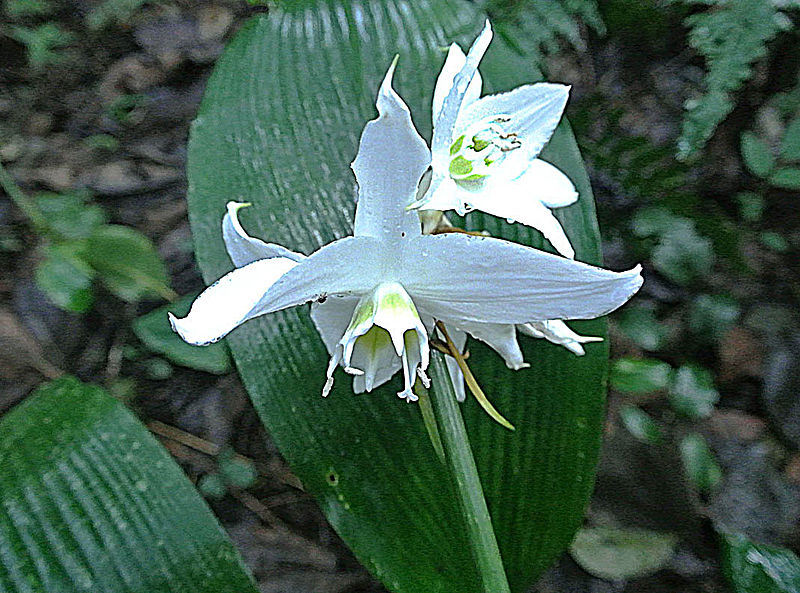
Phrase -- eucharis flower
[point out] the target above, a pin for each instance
(376, 294)
(485, 149)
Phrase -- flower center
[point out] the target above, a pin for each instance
(481, 148)
(385, 325)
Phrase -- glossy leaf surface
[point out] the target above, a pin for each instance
(90, 501)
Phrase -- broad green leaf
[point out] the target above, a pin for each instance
(692, 392)
(640, 425)
(616, 554)
(757, 155)
(127, 263)
(66, 278)
(759, 568)
(699, 463)
(155, 332)
(90, 501)
(636, 375)
(278, 127)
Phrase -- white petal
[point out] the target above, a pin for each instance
(502, 338)
(559, 333)
(230, 301)
(549, 184)
(518, 200)
(452, 65)
(244, 249)
(391, 160)
(451, 106)
(534, 109)
(487, 280)
(349, 266)
(332, 317)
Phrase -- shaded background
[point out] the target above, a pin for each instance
(703, 422)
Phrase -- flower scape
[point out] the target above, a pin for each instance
(383, 296)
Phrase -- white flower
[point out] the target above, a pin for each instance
(377, 293)
(485, 149)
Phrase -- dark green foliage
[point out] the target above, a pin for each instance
(538, 27)
(90, 501)
(731, 35)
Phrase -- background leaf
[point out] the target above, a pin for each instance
(90, 501)
(279, 125)
(759, 568)
(127, 262)
(614, 554)
(65, 278)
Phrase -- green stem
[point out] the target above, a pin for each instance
(23, 202)
(461, 463)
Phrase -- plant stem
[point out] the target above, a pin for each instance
(23, 202)
(461, 463)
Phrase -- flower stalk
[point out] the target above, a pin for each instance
(461, 466)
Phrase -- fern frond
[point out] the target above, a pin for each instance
(537, 27)
(731, 35)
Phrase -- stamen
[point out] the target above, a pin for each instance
(469, 379)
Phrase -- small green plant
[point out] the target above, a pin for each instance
(43, 43)
(78, 246)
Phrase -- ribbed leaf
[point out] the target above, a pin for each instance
(89, 501)
(279, 126)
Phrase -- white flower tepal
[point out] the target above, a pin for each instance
(376, 294)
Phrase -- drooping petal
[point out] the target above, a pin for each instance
(391, 160)
(533, 110)
(457, 277)
(523, 200)
(559, 333)
(502, 338)
(230, 301)
(244, 249)
(444, 125)
(452, 66)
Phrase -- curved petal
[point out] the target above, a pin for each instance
(452, 65)
(230, 301)
(502, 338)
(534, 111)
(391, 160)
(549, 184)
(559, 333)
(451, 105)
(459, 278)
(244, 249)
(349, 266)
(518, 200)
